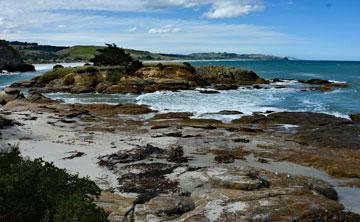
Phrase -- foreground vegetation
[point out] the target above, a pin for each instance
(39, 191)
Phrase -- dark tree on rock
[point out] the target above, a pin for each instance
(115, 56)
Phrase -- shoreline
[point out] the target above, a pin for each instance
(53, 135)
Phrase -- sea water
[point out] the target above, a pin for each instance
(293, 97)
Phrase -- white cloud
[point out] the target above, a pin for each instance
(232, 9)
(131, 30)
(165, 29)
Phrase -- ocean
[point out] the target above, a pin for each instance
(340, 102)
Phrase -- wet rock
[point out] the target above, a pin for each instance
(277, 80)
(173, 205)
(355, 117)
(241, 140)
(325, 85)
(324, 189)
(249, 119)
(315, 81)
(209, 92)
(172, 115)
(10, 94)
(226, 87)
(228, 112)
(176, 154)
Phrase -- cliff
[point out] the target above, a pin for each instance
(11, 61)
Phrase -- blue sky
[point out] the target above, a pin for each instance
(306, 29)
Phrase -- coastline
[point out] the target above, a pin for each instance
(253, 163)
(56, 131)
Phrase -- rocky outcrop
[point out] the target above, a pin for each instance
(325, 85)
(355, 117)
(318, 129)
(11, 61)
(150, 78)
(10, 94)
(228, 78)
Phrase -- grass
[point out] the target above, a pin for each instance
(79, 52)
(60, 73)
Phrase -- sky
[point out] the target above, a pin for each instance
(305, 29)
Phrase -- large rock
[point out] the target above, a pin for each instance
(10, 94)
(355, 117)
(228, 78)
(151, 78)
(170, 205)
(11, 61)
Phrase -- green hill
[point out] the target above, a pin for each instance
(34, 53)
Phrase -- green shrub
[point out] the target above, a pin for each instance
(115, 56)
(38, 191)
(87, 69)
(114, 75)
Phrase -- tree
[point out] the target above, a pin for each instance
(39, 191)
(115, 56)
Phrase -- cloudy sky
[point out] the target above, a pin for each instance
(307, 29)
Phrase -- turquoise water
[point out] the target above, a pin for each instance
(339, 102)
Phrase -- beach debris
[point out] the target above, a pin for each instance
(75, 154)
(128, 156)
(176, 154)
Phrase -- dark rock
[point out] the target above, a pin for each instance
(324, 189)
(58, 67)
(159, 127)
(226, 87)
(209, 127)
(355, 117)
(172, 115)
(277, 80)
(228, 112)
(258, 87)
(4, 122)
(315, 81)
(75, 154)
(241, 140)
(262, 160)
(209, 92)
(77, 114)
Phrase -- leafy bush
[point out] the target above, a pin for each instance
(114, 75)
(115, 56)
(39, 191)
